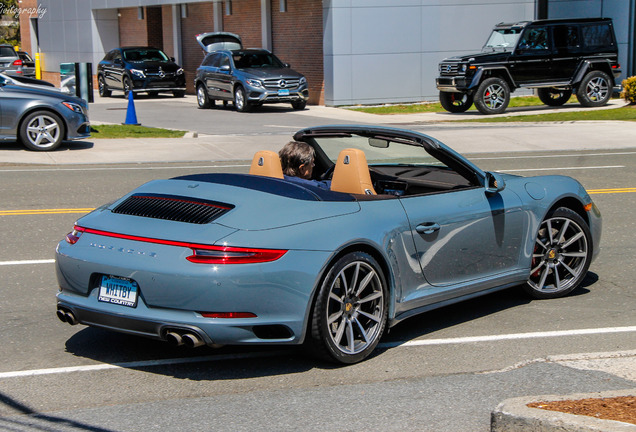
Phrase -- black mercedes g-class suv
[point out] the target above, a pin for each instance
(556, 57)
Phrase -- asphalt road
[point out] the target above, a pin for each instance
(441, 371)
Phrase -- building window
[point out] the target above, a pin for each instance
(140, 13)
(228, 7)
(184, 11)
(283, 6)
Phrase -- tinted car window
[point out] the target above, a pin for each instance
(145, 55)
(535, 38)
(596, 36)
(207, 61)
(224, 61)
(256, 60)
(7, 52)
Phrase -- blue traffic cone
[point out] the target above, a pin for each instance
(131, 114)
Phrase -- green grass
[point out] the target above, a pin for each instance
(520, 101)
(627, 113)
(131, 131)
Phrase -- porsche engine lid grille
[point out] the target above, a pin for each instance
(175, 208)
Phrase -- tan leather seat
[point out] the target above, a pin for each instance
(351, 174)
(266, 163)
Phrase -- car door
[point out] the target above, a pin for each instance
(567, 51)
(114, 70)
(223, 78)
(207, 71)
(466, 235)
(531, 59)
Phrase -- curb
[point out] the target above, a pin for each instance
(513, 415)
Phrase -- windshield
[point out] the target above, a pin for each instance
(139, 55)
(393, 153)
(503, 38)
(247, 60)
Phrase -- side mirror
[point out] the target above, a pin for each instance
(225, 68)
(172, 59)
(494, 183)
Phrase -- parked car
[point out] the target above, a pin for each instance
(140, 69)
(248, 77)
(406, 226)
(555, 57)
(40, 116)
(28, 64)
(10, 62)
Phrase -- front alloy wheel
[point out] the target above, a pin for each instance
(492, 96)
(351, 310)
(42, 131)
(455, 102)
(240, 100)
(562, 255)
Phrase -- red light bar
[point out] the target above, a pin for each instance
(203, 254)
(228, 314)
(17, 62)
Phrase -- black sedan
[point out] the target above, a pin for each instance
(140, 69)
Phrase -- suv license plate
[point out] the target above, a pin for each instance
(283, 92)
(118, 290)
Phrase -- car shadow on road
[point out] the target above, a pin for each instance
(238, 362)
(66, 146)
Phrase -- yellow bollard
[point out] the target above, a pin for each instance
(38, 65)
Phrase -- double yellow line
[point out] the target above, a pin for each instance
(86, 210)
(44, 211)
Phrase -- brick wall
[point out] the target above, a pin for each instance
(200, 19)
(154, 26)
(132, 31)
(245, 21)
(166, 17)
(297, 39)
(25, 25)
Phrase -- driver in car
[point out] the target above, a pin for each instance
(297, 160)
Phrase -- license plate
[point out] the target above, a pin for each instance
(283, 92)
(118, 290)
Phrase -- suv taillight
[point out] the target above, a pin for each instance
(17, 62)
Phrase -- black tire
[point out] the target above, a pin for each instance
(561, 256)
(102, 87)
(240, 100)
(455, 102)
(202, 97)
(126, 85)
(178, 93)
(492, 96)
(299, 105)
(595, 90)
(554, 97)
(350, 312)
(42, 131)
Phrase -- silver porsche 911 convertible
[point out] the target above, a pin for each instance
(405, 225)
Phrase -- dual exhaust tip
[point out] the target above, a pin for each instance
(174, 337)
(191, 340)
(66, 316)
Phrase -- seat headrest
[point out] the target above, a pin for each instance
(266, 163)
(351, 174)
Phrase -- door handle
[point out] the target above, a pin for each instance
(427, 228)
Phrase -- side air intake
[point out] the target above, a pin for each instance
(174, 208)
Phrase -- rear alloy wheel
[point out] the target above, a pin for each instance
(350, 313)
(562, 255)
(240, 100)
(455, 102)
(42, 131)
(103, 89)
(595, 89)
(202, 97)
(554, 97)
(492, 96)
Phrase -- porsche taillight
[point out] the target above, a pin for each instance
(233, 255)
(74, 235)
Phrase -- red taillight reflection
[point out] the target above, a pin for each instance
(74, 235)
(228, 314)
(202, 254)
